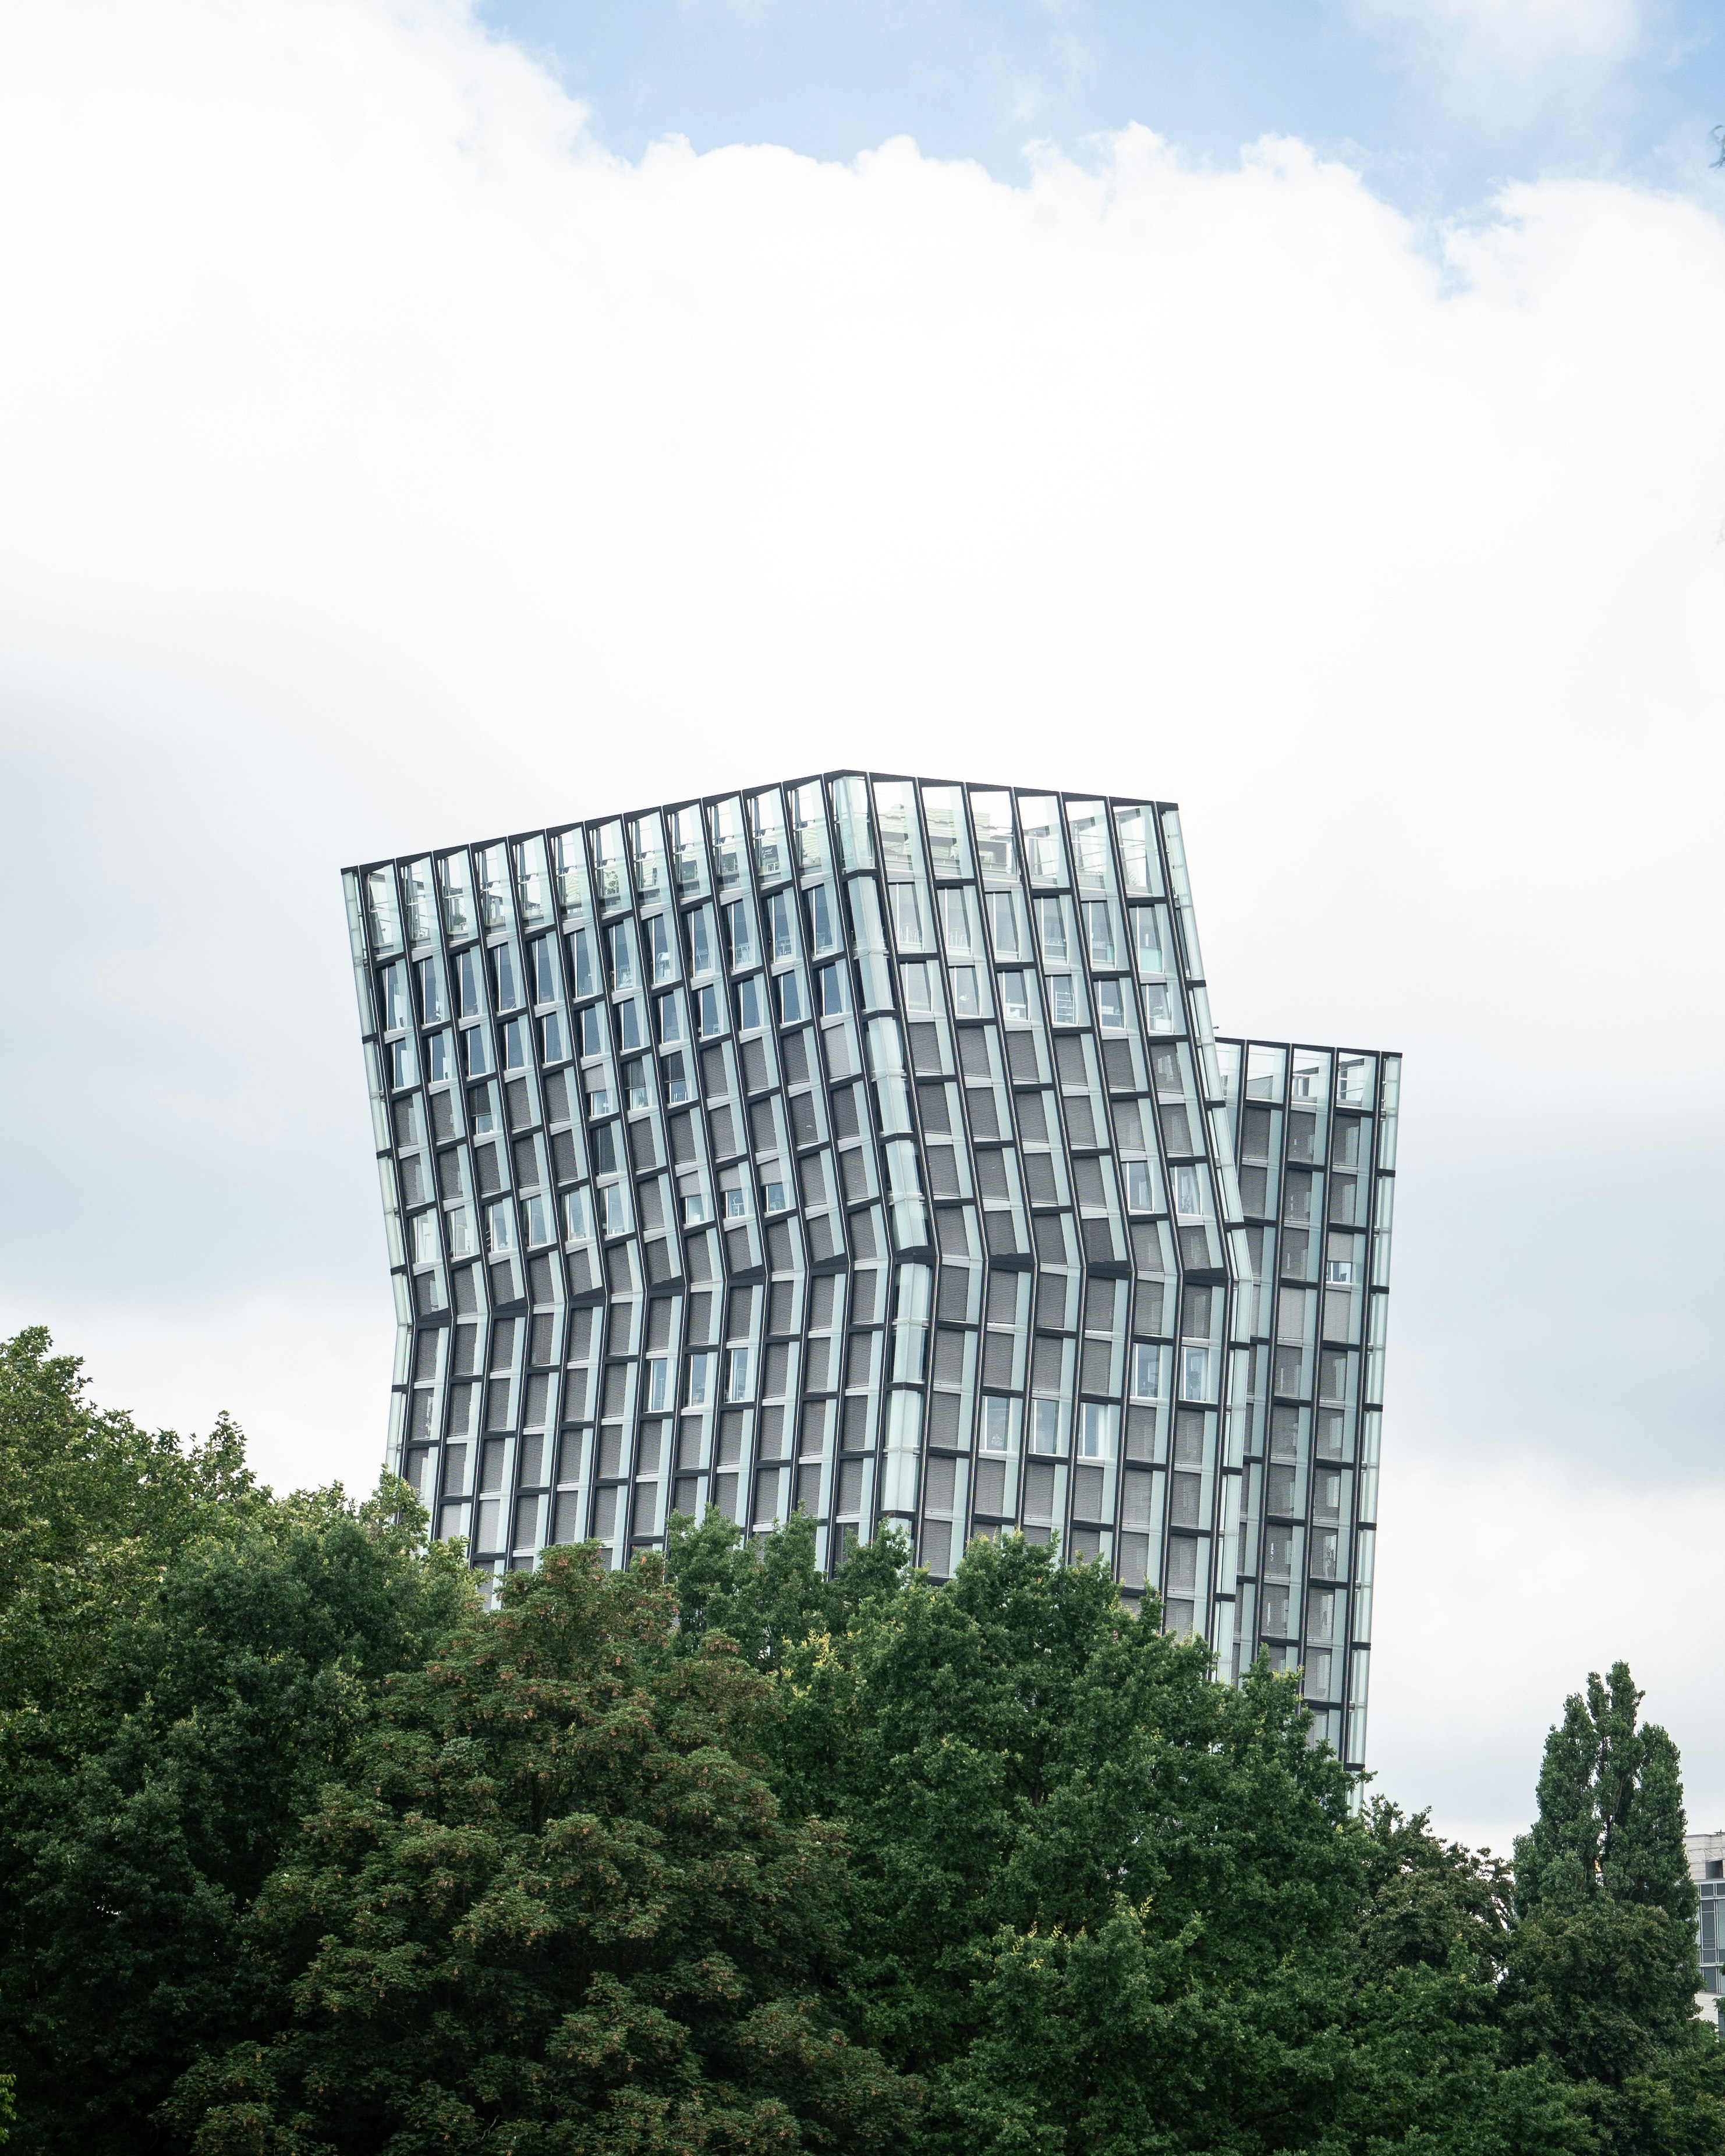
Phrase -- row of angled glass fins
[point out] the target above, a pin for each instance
(898, 1261)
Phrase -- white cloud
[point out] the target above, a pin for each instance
(384, 464)
(1508, 61)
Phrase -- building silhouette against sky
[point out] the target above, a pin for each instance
(863, 1145)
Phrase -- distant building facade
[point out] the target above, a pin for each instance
(1707, 1868)
(864, 1145)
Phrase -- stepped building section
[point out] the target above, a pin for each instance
(863, 1145)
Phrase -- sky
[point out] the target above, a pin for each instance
(419, 423)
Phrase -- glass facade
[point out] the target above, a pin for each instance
(863, 1145)
(1706, 1867)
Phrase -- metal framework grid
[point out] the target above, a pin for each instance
(864, 1145)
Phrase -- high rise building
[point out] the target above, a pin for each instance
(864, 1145)
(1705, 1853)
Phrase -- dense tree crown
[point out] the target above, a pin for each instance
(303, 1849)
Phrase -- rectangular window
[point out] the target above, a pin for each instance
(958, 923)
(401, 1062)
(697, 1207)
(630, 1031)
(1146, 1371)
(543, 959)
(668, 1015)
(966, 1002)
(578, 1221)
(789, 989)
(919, 986)
(506, 979)
(482, 1110)
(1045, 1425)
(1195, 1374)
(475, 1052)
(709, 1012)
(1097, 1430)
(1099, 931)
(432, 1009)
(907, 925)
(467, 985)
(698, 928)
(996, 1424)
(1148, 940)
(775, 1197)
(540, 1229)
(500, 1227)
(515, 1044)
(660, 955)
(735, 1205)
(703, 1371)
(636, 1091)
(613, 1209)
(1014, 995)
(591, 1027)
(620, 954)
(1189, 1193)
(778, 915)
(751, 1004)
(657, 1384)
(581, 963)
(424, 1238)
(460, 1231)
(1110, 1006)
(823, 931)
(676, 1082)
(739, 933)
(392, 983)
(1140, 1191)
(1003, 924)
(1051, 923)
(736, 1374)
(439, 1058)
(1160, 1014)
(831, 982)
(1063, 1006)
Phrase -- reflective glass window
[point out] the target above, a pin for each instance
(698, 926)
(822, 921)
(505, 978)
(433, 1006)
(739, 933)
(393, 982)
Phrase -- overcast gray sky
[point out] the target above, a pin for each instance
(386, 463)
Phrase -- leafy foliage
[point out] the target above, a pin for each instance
(302, 1850)
(555, 1908)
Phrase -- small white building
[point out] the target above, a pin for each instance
(1707, 1868)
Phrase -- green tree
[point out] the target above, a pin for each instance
(92, 1509)
(1425, 2065)
(554, 1908)
(222, 1705)
(1096, 1898)
(1602, 1969)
